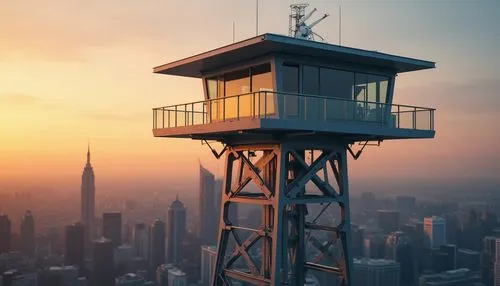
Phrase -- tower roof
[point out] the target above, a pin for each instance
(265, 44)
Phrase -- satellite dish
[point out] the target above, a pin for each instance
(298, 27)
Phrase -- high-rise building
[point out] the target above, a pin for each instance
(374, 246)
(444, 258)
(74, 249)
(357, 238)
(157, 245)
(176, 277)
(176, 225)
(497, 263)
(399, 248)
(129, 279)
(435, 230)
(376, 272)
(5, 233)
(208, 215)
(112, 227)
(469, 259)
(388, 220)
(28, 234)
(64, 275)
(141, 240)
(162, 274)
(88, 200)
(208, 258)
(488, 259)
(103, 261)
(456, 277)
(124, 256)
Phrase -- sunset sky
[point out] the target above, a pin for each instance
(73, 71)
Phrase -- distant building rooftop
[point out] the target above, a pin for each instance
(374, 262)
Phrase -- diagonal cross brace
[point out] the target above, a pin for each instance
(323, 186)
(310, 173)
(251, 173)
(242, 248)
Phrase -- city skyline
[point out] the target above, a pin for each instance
(272, 189)
(57, 63)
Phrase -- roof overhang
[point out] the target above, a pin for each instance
(266, 44)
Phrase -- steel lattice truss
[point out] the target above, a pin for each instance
(291, 239)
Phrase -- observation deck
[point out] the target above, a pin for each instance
(270, 87)
(255, 114)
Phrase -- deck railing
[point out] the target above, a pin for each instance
(279, 105)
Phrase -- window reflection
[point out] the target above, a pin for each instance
(262, 81)
(234, 91)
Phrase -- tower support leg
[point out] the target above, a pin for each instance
(298, 234)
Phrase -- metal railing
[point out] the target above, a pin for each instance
(279, 105)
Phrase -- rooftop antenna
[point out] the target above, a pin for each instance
(298, 28)
(340, 25)
(256, 17)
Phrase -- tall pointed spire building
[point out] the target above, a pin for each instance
(88, 200)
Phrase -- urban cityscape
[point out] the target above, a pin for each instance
(396, 240)
(355, 147)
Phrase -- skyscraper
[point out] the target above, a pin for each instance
(74, 248)
(357, 238)
(176, 277)
(376, 272)
(157, 245)
(488, 259)
(103, 272)
(88, 200)
(141, 240)
(176, 225)
(497, 263)
(399, 248)
(208, 257)
(5, 233)
(112, 227)
(435, 231)
(28, 234)
(207, 230)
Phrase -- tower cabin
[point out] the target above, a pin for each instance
(269, 87)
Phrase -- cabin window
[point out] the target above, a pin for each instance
(242, 93)
(237, 83)
(262, 81)
(313, 106)
(336, 83)
(212, 88)
(291, 87)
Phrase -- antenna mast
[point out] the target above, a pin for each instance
(298, 27)
(256, 17)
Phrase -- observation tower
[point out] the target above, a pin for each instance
(288, 113)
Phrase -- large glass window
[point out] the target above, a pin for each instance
(291, 86)
(338, 85)
(237, 83)
(262, 81)
(212, 88)
(236, 95)
(310, 85)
